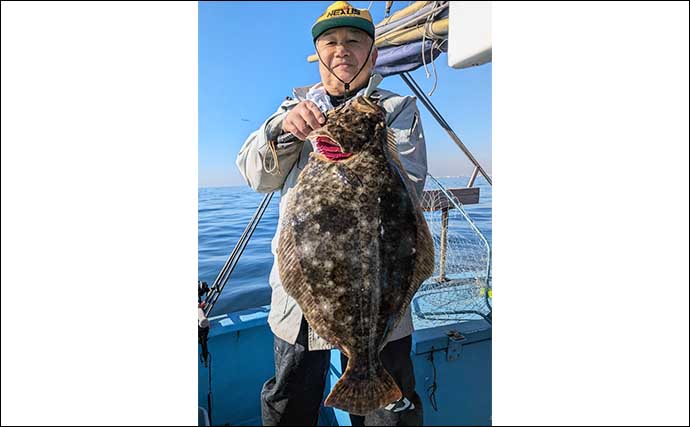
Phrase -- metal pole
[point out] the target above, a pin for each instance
(444, 242)
(407, 78)
(473, 177)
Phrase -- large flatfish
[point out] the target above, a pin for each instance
(354, 248)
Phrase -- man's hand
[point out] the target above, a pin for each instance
(303, 119)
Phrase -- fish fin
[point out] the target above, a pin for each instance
(423, 269)
(361, 396)
(295, 284)
(424, 254)
(392, 148)
(424, 258)
(394, 155)
(291, 274)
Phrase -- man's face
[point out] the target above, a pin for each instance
(345, 50)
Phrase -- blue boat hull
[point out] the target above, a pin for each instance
(452, 368)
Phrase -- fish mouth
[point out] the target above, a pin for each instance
(329, 148)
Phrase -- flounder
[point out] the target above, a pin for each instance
(354, 248)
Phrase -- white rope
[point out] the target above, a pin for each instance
(437, 43)
(275, 169)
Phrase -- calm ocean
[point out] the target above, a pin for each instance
(223, 215)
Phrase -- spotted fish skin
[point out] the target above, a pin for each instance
(353, 250)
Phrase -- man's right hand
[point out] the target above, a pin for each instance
(302, 119)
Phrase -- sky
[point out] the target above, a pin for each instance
(251, 55)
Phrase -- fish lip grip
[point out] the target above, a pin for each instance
(374, 82)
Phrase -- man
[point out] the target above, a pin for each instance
(344, 40)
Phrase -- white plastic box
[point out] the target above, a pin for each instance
(469, 33)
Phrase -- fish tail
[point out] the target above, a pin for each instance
(358, 395)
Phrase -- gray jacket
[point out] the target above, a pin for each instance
(255, 160)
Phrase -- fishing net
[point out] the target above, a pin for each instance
(460, 287)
